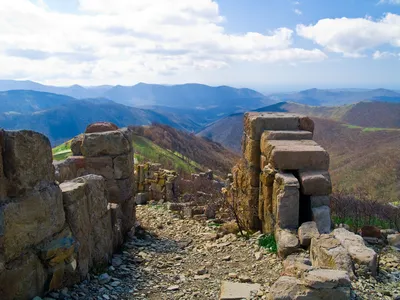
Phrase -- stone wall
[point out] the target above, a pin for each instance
(51, 235)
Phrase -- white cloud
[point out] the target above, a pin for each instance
(389, 1)
(298, 12)
(383, 55)
(124, 40)
(352, 37)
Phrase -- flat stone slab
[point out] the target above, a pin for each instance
(315, 183)
(238, 291)
(296, 155)
(289, 135)
(256, 123)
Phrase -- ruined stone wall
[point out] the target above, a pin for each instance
(51, 235)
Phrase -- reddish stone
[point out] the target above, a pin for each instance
(371, 231)
(101, 127)
(78, 161)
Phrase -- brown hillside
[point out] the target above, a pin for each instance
(203, 151)
(360, 158)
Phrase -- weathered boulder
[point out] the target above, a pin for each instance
(101, 127)
(23, 278)
(296, 155)
(27, 161)
(30, 219)
(315, 183)
(286, 242)
(365, 257)
(326, 279)
(111, 143)
(327, 252)
(322, 217)
(235, 290)
(120, 190)
(76, 144)
(306, 232)
(285, 200)
(256, 123)
(265, 209)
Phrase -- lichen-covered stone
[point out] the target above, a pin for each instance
(30, 219)
(286, 242)
(27, 161)
(102, 165)
(365, 257)
(123, 166)
(328, 253)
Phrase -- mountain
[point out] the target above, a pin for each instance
(361, 157)
(194, 96)
(62, 117)
(320, 97)
(174, 149)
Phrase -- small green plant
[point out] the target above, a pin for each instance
(268, 242)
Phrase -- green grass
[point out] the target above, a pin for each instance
(369, 129)
(268, 242)
(145, 151)
(356, 224)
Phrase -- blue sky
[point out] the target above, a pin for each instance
(269, 45)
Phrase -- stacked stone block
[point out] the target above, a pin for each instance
(51, 235)
(154, 183)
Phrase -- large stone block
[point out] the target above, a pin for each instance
(315, 183)
(286, 135)
(27, 160)
(327, 279)
(322, 217)
(365, 257)
(111, 143)
(58, 249)
(120, 190)
(101, 127)
(30, 219)
(318, 201)
(22, 279)
(286, 242)
(251, 151)
(296, 155)
(76, 144)
(265, 209)
(101, 239)
(96, 195)
(286, 201)
(256, 123)
(102, 165)
(306, 232)
(77, 216)
(328, 253)
(123, 166)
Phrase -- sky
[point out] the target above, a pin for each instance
(268, 45)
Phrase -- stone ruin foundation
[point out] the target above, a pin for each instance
(282, 187)
(59, 221)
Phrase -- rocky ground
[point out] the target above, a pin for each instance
(176, 258)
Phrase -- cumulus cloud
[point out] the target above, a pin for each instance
(122, 39)
(352, 37)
